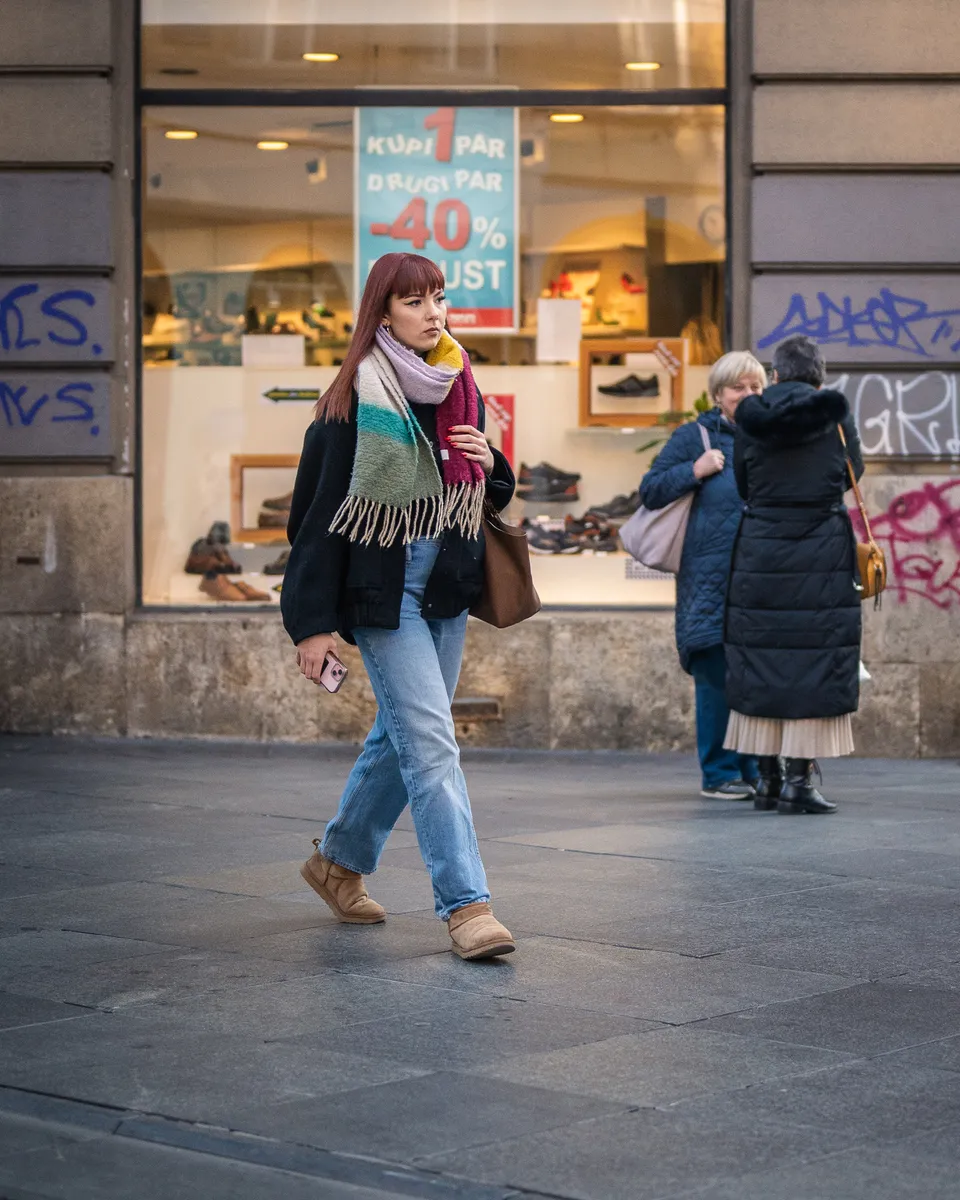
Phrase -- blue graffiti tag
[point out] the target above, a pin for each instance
(74, 401)
(60, 325)
(895, 322)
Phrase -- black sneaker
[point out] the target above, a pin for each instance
(733, 789)
(549, 541)
(545, 470)
(619, 506)
(632, 385)
(279, 564)
(547, 491)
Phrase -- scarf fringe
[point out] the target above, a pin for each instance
(360, 519)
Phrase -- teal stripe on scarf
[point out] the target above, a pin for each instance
(371, 418)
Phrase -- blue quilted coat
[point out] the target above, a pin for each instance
(714, 520)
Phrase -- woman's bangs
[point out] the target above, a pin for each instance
(417, 276)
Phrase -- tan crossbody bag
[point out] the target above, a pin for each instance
(871, 560)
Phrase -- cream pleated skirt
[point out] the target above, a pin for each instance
(822, 737)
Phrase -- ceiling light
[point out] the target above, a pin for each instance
(642, 66)
(321, 56)
(271, 145)
(181, 135)
(566, 118)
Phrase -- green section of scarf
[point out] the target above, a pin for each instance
(396, 490)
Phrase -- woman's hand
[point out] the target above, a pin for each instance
(473, 445)
(312, 653)
(709, 463)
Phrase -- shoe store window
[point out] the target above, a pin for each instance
(253, 245)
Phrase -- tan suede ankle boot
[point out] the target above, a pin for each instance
(342, 890)
(476, 932)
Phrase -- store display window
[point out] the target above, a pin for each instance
(584, 251)
(634, 45)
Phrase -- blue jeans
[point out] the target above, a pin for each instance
(709, 670)
(411, 753)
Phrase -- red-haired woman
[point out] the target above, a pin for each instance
(387, 550)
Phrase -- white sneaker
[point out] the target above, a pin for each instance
(733, 789)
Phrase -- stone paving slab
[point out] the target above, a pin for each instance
(868, 1018)
(640, 1155)
(919, 1168)
(663, 1066)
(705, 1001)
(172, 974)
(602, 978)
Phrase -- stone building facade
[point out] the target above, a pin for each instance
(844, 156)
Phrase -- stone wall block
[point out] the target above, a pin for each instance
(48, 119)
(229, 676)
(62, 674)
(940, 710)
(857, 124)
(66, 544)
(55, 33)
(616, 684)
(512, 666)
(875, 37)
(888, 723)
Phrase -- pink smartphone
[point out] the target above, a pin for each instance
(333, 673)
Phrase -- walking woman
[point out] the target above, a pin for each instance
(793, 613)
(387, 550)
(684, 465)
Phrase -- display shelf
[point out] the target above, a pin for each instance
(597, 581)
(184, 590)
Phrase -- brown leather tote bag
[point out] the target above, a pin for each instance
(509, 596)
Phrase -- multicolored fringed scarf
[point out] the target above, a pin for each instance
(396, 489)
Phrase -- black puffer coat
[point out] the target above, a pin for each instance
(792, 631)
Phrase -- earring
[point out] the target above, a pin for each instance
(385, 323)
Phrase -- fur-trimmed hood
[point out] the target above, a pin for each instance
(791, 411)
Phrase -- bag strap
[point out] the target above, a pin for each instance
(707, 444)
(856, 486)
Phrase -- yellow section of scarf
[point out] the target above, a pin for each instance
(446, 353)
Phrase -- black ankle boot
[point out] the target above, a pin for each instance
(798, 794)
(770, 783)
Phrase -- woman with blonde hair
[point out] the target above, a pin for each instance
(685, 465)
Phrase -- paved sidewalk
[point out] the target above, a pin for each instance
(706, 1001)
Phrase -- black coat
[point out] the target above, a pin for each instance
(332, 583)
(792, 632)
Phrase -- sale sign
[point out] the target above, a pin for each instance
(442, 182)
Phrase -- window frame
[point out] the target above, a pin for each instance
(358, 97)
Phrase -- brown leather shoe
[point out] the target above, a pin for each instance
(476, 932)
(250, 593)
(342, 890)
(221, 588)
(279, 503)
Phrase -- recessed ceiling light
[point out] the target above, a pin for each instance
(181, 135)
(321, 56)
(642, 66)
(272, 145)
(566, 118)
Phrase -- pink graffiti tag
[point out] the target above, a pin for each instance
(920, 533)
